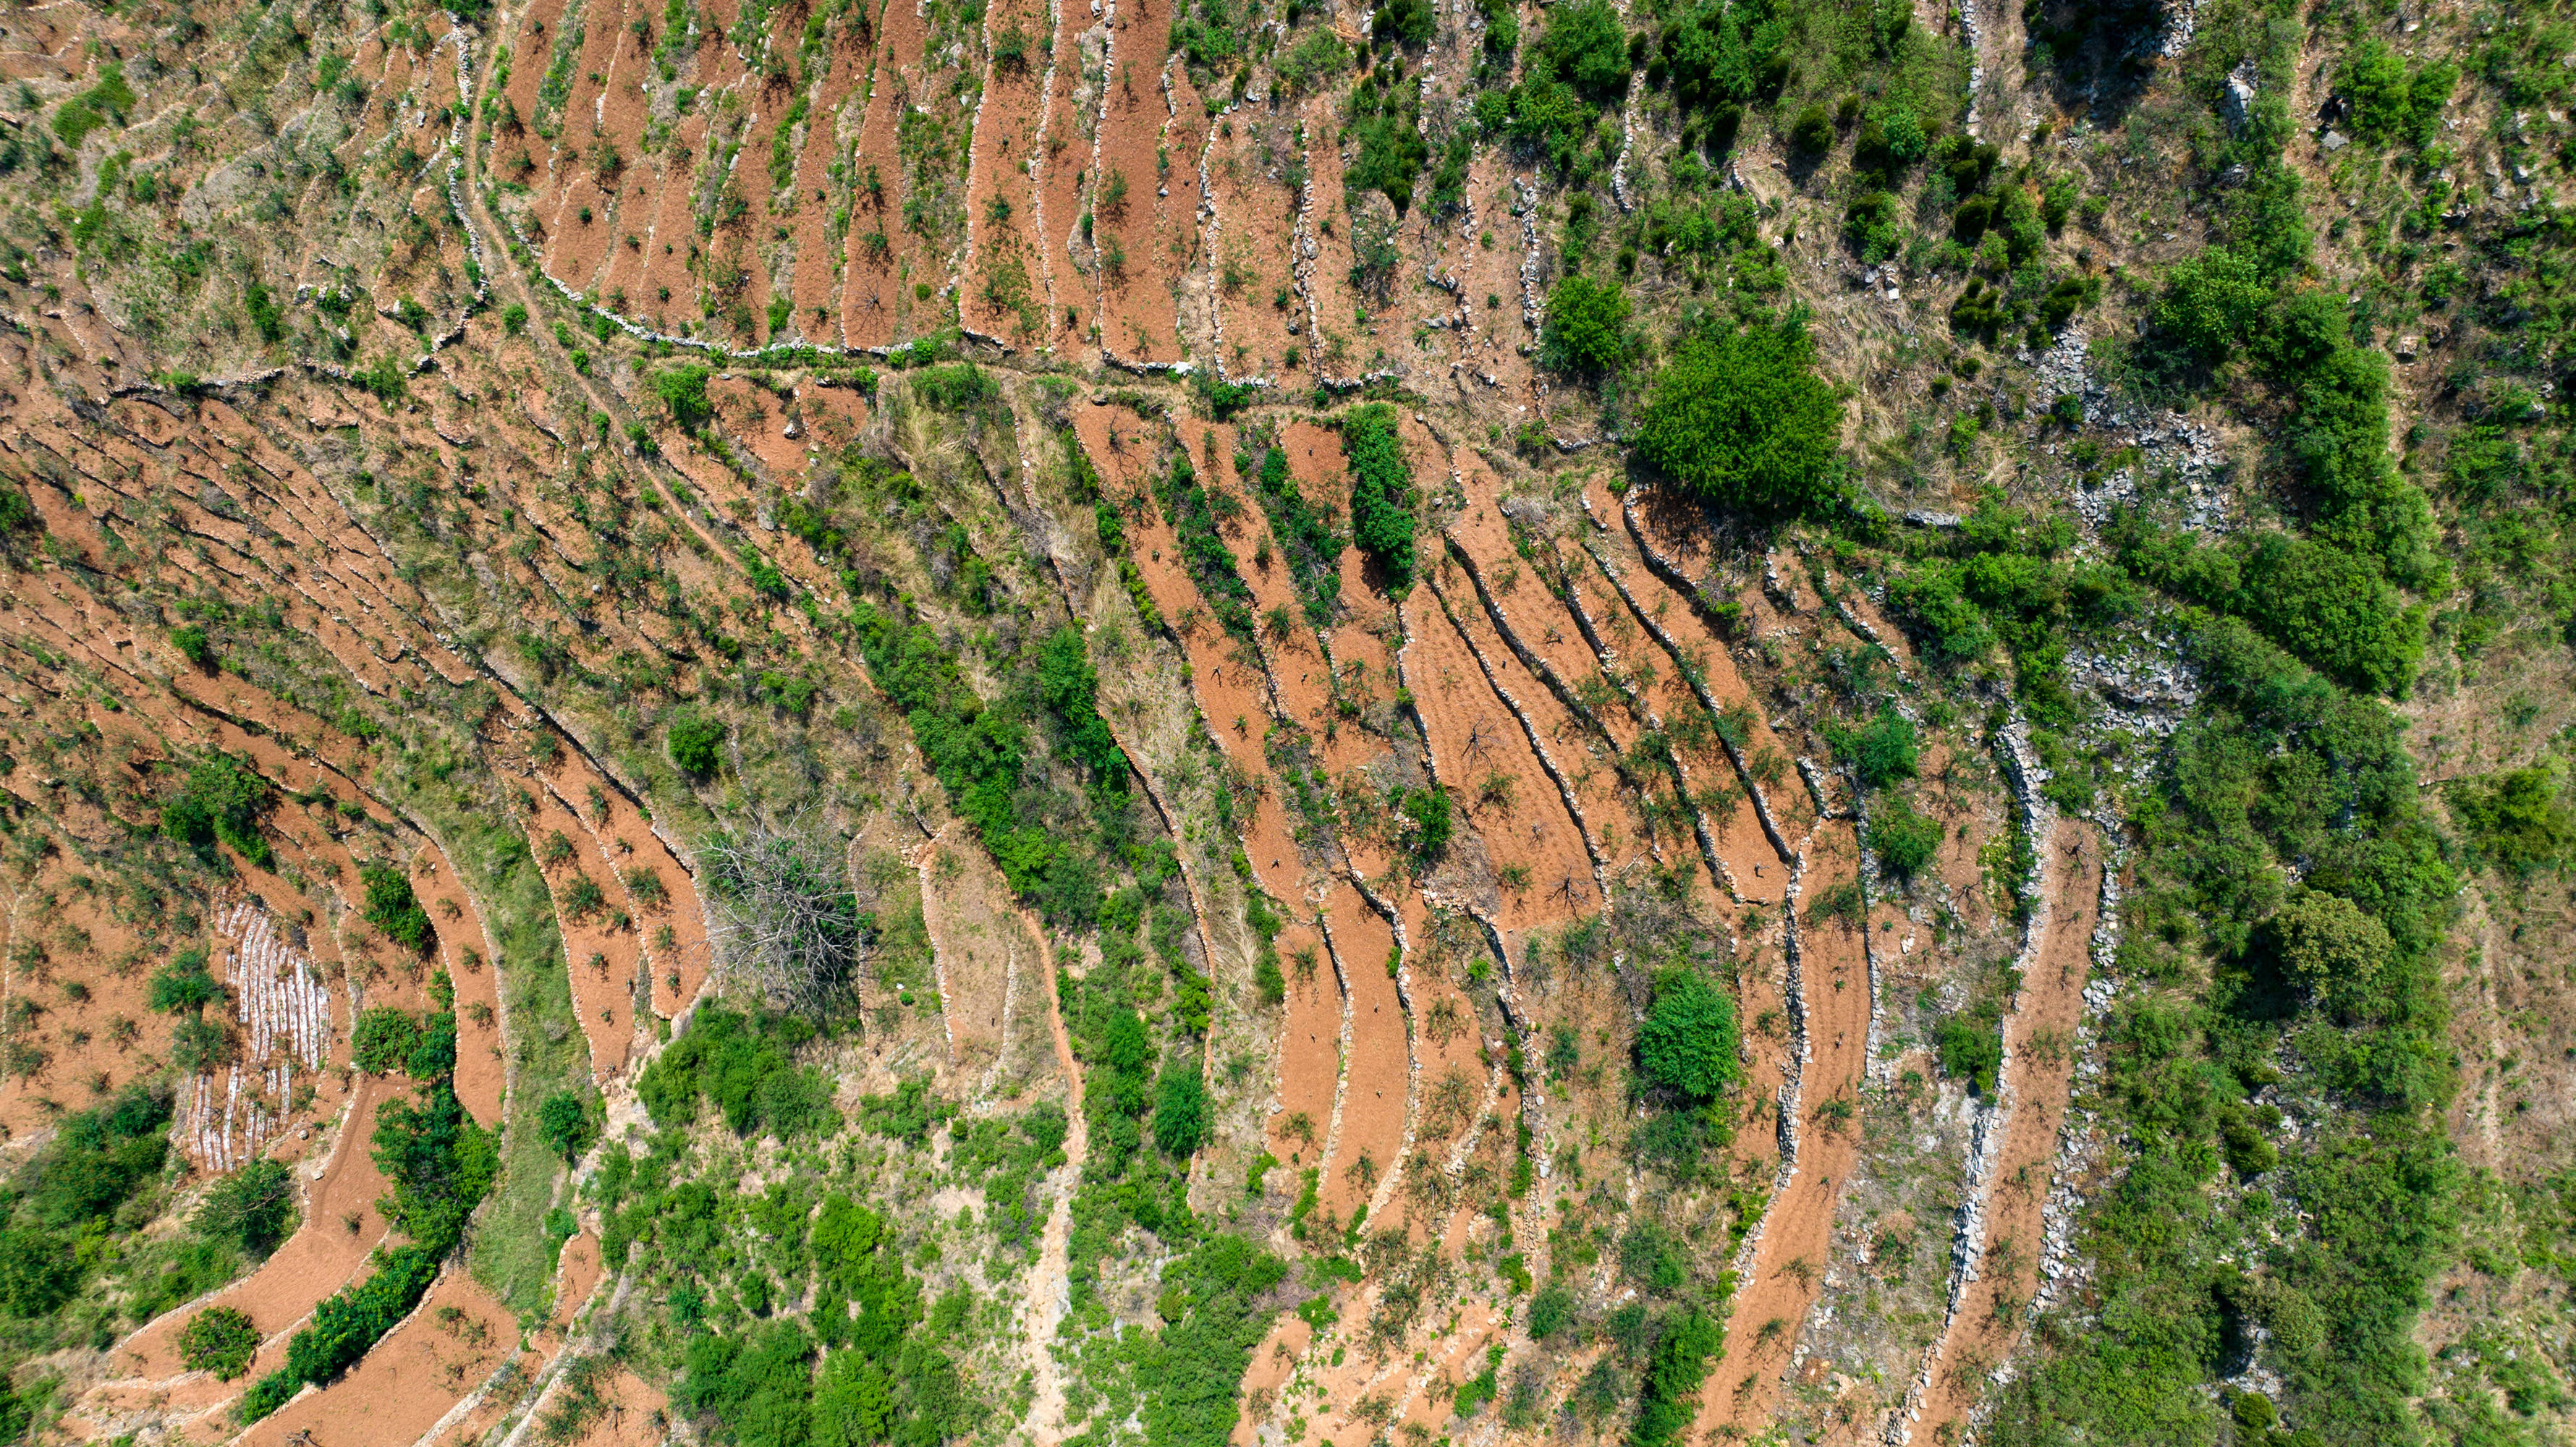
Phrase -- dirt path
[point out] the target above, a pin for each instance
(1049, 1293)
(1789, 1262)
(1998, 1281)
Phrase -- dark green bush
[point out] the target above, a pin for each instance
(2517, 820)
(1879, 752)
(1587, 326)
(1382, 495)
(191, 641)
(183, 984)
(393, 908)
(1741, 419)
(253, 1208)
(383, 1040)
(696, 744)
(219, 1339)
(1689, 1042)
(1971, 1046)
(220, 803)
(744, 1065)
(1586, 46)
(565, 1121)
(1903, 839)
(1180, 1112)
(683, 391)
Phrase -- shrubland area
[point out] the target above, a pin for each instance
(829, 724)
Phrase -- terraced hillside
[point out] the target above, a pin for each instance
(1213, 723)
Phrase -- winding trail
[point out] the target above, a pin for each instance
(1998, 1269)
(1830, 972)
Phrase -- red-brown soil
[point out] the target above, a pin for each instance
(1141, 322)
(872, 290)
(1484, 759)
(1789, 1267)
(1335, 347)
(323, 1255)
(814, 284)
(451, 1342)
(1066, 133)
(1254, 255)
(1234, 698)
(2041, 1036)
(1004, 287)
(603, 959)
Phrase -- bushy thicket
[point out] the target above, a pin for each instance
(99, 1160)
(1305, 529)
(745, 1066)
(1382, 494)
(2280, 767)
(979, 753)
(1192, 512)
(1739, 417)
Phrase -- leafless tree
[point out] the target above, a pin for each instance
(785, 919)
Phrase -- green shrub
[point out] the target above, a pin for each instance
(1382, 495)
(683, 391)
(193, 645)
(1194, 518)
(1741, 419)
(1689, 1043)
(383, 1040)
(1180, 1112)
(743, 1064)
(393, 908)
(2390, 102)
(253, 1208)
(1812, 133)
(184, 984)
(1903, 839)
(199, 1047)
(696, 744)
(1427, 811)
(2333, 609)
(1668, 1398)
(219, 1339)
(1879, 752)
(220, 804)
(958, 387)
(1587, 326)
(1971, 1046)
(1587, 47)
(2517, 819)
(1551, 1311)
(564, 1120)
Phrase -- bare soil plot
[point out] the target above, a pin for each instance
(602, 959)
(814, 282)
(1253, 245)
(574, 247)
(1067, 146)
(1140, 322)
(1332, 307)
(872, 272)
(1541, 629)
(1004, 291)
(340, 1226)
(1481, 755)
